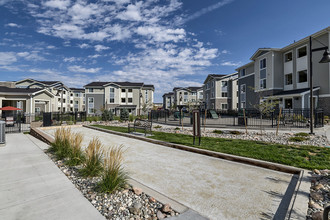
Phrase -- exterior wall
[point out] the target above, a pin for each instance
(269, 70)
(98, 102)
(250, 95)
(324, 103)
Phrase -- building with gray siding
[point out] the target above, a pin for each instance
(283, 74)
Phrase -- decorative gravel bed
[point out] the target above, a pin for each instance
(130, 203)
(267, 136)
(319, 194)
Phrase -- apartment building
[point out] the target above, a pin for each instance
(185, 97)
(137, 98)
(78, 95)
(283, 74)
(63, 100)
(220, 91)
(168, 100)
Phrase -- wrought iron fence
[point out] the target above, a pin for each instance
(57, 118)
(285, 118)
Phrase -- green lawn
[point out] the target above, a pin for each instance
(308, 157)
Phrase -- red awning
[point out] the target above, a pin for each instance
(9, 108)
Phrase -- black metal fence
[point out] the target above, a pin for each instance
(18, 122)
(285, 118)
(57, 118)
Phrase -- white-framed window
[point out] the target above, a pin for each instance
(242, 72)
(90, 90)
(90, 105)
(302, 76)
(224, 106)
(212, 84)
(185, 97)
(263, 64)
(288, 79)
(130, 100)
(288, 103)
(224, 94)
(146, 95)
(288, 57)
(302, 51)
(212, 94)
(130, 90)
(123, 90)
(123, 100)
(243, 89)
(224, 83)
(112, 95)
(263, 84)
(76, 102)
(37, 109)
(243, 105)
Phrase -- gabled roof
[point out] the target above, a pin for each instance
(4, 89)
(47, 83)
(78, 89)
(96, 84)
(262, 51)
(295, 91)
(121, 84)
(218, 76)
(195, 88)
(168, 94)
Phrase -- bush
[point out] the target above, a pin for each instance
(76, 156)
(113, 176)
(124, 115)
(297, 139)
(218, 132)
(301, 134)
(107, 115)
(93, 163)
(177, 128)
(235, 132)
(131, 118)
(158, 126)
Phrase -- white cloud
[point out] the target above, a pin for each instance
(84, 46)
(60, 4)
(13, 25)
(231, 63)
(69, 59)
(225, 52)
(7, 58)
(23, 54)
(99, 47)
(132, 13)
(51, 47)
(161, 34)
(80, 69)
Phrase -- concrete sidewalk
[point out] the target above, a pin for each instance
(32, 186)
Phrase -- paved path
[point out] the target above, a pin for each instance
(217, 189)
(32, 187)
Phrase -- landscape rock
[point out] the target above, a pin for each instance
(166, 208)
(317, 215)
(317, 196)
(160, 215)
(137, 191)
(317, 171)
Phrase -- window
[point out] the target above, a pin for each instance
(63, 92)
(224, 83)
(112, 95)
(130, 90)
(90, 90)
(263, 84)
(288, 57)
(77, 94)
(224, 106)
(76, 102)
(71, 94)
(302, 52)
(90, 100)
(123, 90)
(59, 99)
(130, 100)
(212, 84)
(212, 94)
(288, 79)
(242, 72)
(302, 76)
(71, 101)
(146, 94)
(224, 94)
(243, 88)
(185, 98)
(37, 109)
(123, 100)
(243, 105)
(263, 63)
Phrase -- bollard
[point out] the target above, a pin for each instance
(2, 133)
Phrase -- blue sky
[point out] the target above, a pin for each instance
(167, 43)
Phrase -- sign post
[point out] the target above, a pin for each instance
(196, 126)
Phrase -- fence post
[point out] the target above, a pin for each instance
(272, 119)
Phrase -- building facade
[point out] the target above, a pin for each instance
(63, 100)
(187, 97)
(220, 91)
(137, 98)
(283, 74)
(168, 101)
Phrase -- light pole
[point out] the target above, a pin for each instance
(325, 59)
(140, 96)
(181, 111)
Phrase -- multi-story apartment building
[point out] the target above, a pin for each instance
(283, 74)
(78, 99)
(137, 98)
(220, 91)
(63, 100)
(168, 100)
(186, 97)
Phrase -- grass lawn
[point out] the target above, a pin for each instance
(308, 157)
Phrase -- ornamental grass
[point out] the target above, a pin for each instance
(92, 165)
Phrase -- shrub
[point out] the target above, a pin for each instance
(131, 118)
(107, 115)
(158, 126)
(93, 163)
(297, 139)
(76, 156)
(113, 176)
(302, 134)
(177, 128)
(124, 115)
(218, 132)
(235, 132)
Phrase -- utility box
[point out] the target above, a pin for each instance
(2, 133)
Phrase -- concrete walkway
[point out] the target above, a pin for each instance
(215, 188)
(32, 186)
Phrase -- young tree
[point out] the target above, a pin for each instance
(124, 115)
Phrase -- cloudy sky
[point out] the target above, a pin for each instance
(167, 43)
